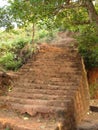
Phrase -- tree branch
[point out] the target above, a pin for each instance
(66, 6)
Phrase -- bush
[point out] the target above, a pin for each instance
(4, 48)
(20, 43)
(9, 61)
(15, 47)
(88, 45)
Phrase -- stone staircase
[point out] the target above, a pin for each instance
(49, 93)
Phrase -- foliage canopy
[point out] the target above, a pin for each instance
(62, 12)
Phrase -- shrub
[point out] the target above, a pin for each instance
(88, 45)
(20, 43)
(9, 61)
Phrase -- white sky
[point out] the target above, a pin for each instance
(3, 2)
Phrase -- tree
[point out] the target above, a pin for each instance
(93, 16)
(31, 11)
(5, 19)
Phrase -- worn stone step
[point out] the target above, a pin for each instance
(11, 121)
(48, 68)
(39, 81)
(38, 91)
(33, 110)
(50, 73)
(46, 82)
(48, 91)
(56, 103)
(50, 77)
(51, 63)
(37, 96)
(46, 86)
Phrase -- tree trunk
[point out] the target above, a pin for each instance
(33, 34)
(93, 16)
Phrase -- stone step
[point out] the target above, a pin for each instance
(54, 61)
(66, 86)
(50, 72)
(45, 82)
(40, 91)
(55, 90)
(56, 103)
(48, 91)
(50, 61)
(36, 77)
(46, 56)
(35, 110)
(37, 96)
(55, 67)
(52, 77)
(46, 71)
(11, 121)
(35, 80)
(57, 60)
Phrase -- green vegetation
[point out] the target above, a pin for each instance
(93, 87)
(88, 45)
(10, 46)
(16, 47)
(8, 61)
